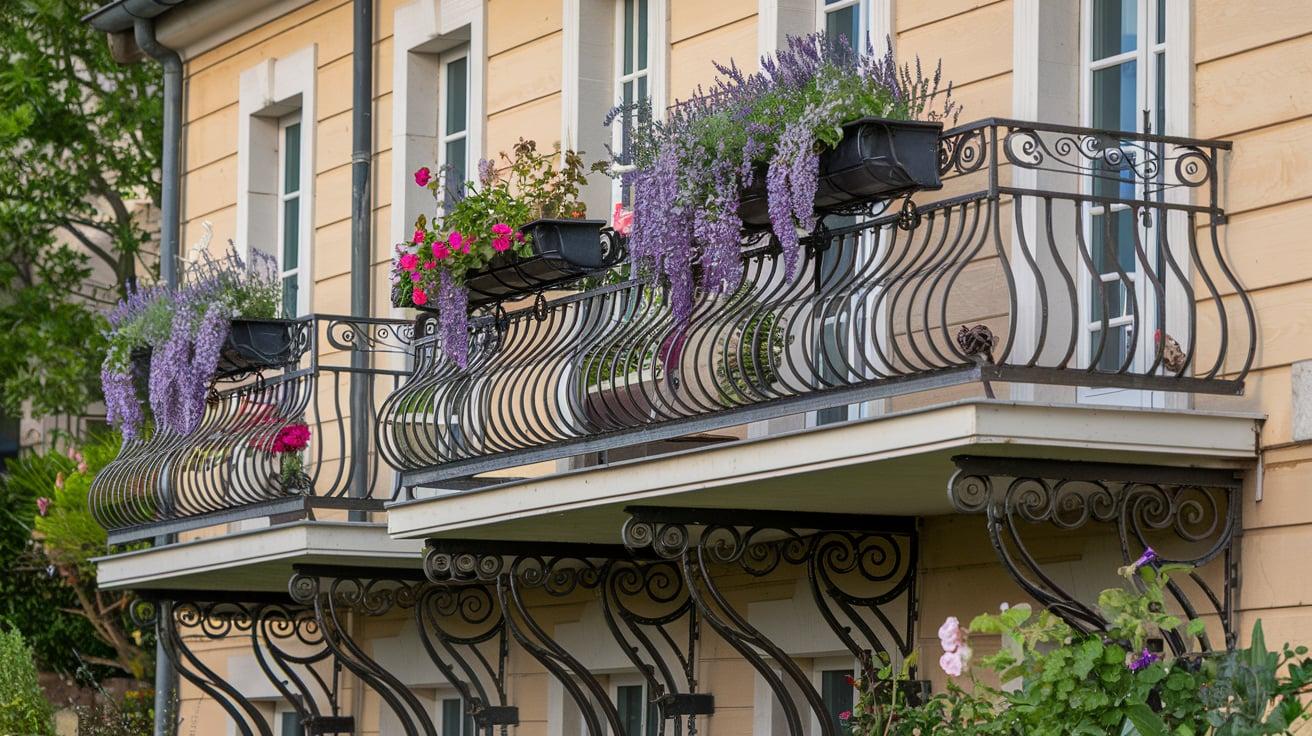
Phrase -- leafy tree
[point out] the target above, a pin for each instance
(80, 137)
(32, 598)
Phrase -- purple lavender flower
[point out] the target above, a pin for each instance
(453, 315)
(1142, 661)
(122, 408)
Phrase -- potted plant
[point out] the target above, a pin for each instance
(515, 232)
(169, 344)
(818, 129)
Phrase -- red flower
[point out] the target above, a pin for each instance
(292, 438)
(423, 176)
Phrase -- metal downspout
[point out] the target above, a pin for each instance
(361, 248)
(170, 232)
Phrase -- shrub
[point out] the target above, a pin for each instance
(23, 707)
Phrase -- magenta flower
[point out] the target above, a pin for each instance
(43, 505)
(409, 261)
(416, 277)
(423, 176)
(440, 251)
(292, 438)
(419, 297)
(430, 265)
(501, 228)
(418, 237)
(501, 244)
(845, 716)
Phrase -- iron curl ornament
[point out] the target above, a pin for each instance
(1187, 516)
(860, 571)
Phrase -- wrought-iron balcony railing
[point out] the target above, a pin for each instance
(231, 468)
(1053, 255)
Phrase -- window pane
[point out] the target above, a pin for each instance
(844, 26)
(643, 11)
(452, 717)
(630, 704)
(291, 234)
(1114, 98)
(1161, 21)
(457, 170)
(1159, 123)
(628, 36)
(290, 724)
(289, 296)
(1122, 233)
(1115, 27)
(836, 693)
(1114, 350)
(457, 96)
(291, 166)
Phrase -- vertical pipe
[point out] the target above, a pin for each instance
(361, 248)
(170, 230)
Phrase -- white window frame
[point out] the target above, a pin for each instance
(269, 93)
(1145, 55)
(284, 196)
(446, 136)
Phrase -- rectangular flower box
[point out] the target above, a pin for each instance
(258, 344)
(876, 159)
(563, 251)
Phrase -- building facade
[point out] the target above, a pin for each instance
(1091, 340)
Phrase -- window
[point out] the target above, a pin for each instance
(290, 246)
(289, 724)
(453, 719)
(633, 30)
(638, 716)
(1124, 89)
(454, 119)
(843, 20)
(837, 693)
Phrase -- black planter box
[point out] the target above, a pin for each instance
(563, 251)
(257, 344)
(876, 159)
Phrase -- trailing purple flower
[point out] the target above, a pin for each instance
(453, 306)
(122, 408)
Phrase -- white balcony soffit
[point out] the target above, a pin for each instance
(894, 464)
(257, 559)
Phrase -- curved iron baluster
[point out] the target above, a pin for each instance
(1187, 516)
(471, 606)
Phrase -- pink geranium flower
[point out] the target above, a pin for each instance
(440, 251)
(409, 261)
(292, 438)
(501, 244)
(501, 228)
(430, 265)
(418, 237)
(423, 176)
(419, 297)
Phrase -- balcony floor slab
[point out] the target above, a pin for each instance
(257, 559)
(894, 464)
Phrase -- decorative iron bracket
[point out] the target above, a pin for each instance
(287, 642)
(1186, 515)
(646, 608)
(856, 566)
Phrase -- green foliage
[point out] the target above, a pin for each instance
(33, 600)
(133, 716)
(69, 534)
(1092, 685)
(80, 136)
(23, 707)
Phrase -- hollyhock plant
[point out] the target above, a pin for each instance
(482, 221)
(687, 172)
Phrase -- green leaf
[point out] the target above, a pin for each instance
(1145, 721)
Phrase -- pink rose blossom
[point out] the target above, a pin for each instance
(423, 176)
(440, 251)
(418, 237)
(950, 635)
(459, 243)
(419, 297)
(43, 505)
(501, 244)
(501, 228)
(409, 261)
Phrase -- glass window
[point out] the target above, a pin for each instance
(636, 714)
(455, 127)
(289, 724)
(837, 693)
(289, 224)
(632, 76)
(454, 720)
